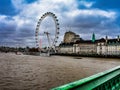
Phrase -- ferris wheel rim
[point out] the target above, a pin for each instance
(54, 17)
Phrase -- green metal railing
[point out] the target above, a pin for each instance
(107, 80)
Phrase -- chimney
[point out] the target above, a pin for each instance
(118, 39)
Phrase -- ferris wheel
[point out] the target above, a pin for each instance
(51, 42)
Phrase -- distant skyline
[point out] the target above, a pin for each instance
(18, 19)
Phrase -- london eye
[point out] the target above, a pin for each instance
(51, 36)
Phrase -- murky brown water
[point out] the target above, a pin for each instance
(22, 72)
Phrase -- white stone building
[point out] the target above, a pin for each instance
(108, 47)
(65, 48)
(85, 47)
(101, 47)
(75, 45)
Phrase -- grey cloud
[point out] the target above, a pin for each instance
(84, 24)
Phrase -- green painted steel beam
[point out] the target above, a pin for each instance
(107, 79)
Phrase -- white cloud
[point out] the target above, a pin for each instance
(7, 20)
(18, 4)
(65, 10)
(92, 12)
(86, 4)
(22, 22)
(2, 17)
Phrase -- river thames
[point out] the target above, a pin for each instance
(25, 72)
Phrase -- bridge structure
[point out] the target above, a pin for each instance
(107, 80)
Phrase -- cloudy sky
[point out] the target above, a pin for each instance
(18, 19)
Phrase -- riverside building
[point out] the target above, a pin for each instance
(73, 44)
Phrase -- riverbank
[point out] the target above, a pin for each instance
(89, 55)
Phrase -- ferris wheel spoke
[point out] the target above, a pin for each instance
(51, 40)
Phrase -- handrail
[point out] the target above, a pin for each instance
(109, 79)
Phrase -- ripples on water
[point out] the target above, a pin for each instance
(29, 73)
(16, 74)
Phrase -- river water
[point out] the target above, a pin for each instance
(25, 72)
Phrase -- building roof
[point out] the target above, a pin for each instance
(85, 42)
(113, 42)
(66, 44)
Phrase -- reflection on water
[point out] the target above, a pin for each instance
(42, 73)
